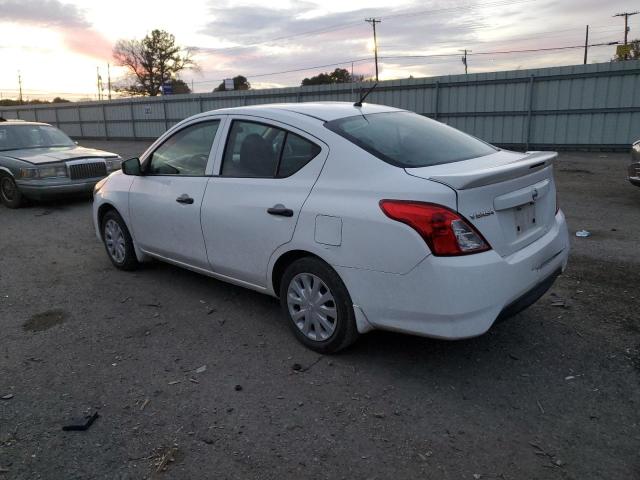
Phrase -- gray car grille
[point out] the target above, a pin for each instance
(87, 170)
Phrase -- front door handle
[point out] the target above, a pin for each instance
(281, 210)
(184, 198)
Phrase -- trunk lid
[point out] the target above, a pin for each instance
(509, 197)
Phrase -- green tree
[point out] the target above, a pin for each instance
(632, 51)
(179, 86)
(339, 75)
(151, 62)
(239, 83)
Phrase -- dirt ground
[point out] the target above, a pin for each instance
(194, 378)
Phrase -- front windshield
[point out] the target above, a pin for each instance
(15, 137)
(408, 140)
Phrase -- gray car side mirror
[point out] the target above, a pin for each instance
(132, 167)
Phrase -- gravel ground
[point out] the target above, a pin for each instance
(551, 393)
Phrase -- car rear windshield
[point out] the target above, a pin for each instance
(407, 140)
(16, 137)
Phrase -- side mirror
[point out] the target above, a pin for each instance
(132, 167)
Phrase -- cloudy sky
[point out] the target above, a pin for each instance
(57, 44)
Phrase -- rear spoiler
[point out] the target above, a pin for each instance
(532, 161)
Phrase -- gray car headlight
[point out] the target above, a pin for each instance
(56, 170)
(113, 164)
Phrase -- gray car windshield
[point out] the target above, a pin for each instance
(407, 140)
(16, 137)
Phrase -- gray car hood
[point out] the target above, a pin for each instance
(55, 154)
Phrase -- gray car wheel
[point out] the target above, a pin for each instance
(318, 306)
(117, 241)
(9, 193)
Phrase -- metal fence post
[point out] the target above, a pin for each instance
(104, 122)
(200, 104)
(133, 121)
(437, 100)
(164, 114)
(528, 131)
(55, 116)
(80, 121)
(35, 114)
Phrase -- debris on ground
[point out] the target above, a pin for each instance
(583, 233)
(82, 424)
(164, 456)
(296, 367)
(144, 404)
(201, 369)
(8, 396)
(238, 388)
(174, 382)
(559, 303)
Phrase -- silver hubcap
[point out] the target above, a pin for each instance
(114, 240)
(312, 307)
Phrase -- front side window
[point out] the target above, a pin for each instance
(186, 152)
(407, 140)
(15, 137)
(256, 150)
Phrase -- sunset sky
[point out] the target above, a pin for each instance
(57, 44)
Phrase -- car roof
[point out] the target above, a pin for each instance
(324, 111)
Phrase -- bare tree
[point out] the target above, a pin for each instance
(151, 62)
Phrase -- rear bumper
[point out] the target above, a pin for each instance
(48, 189)
(460, 297)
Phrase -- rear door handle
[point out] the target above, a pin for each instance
(281, 210)
(184, 198)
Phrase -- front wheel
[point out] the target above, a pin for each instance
(118, 242)
(318, 306)
(9, 193)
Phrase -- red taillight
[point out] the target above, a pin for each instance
(445, 231)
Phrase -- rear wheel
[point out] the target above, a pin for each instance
(118, 242)
(9, 193)
(318, 306)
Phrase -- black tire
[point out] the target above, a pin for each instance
(345, 331)
(128, 261)
(9, 193)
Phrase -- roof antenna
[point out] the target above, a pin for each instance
(359, 102)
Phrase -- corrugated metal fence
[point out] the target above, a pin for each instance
(582, 106)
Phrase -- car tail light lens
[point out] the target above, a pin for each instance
(445, 231)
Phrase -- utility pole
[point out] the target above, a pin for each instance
(586, 44)
(626, 16)
(99, 83)
(464, 59)
(109, 79)
(20, 88)
(373, 22)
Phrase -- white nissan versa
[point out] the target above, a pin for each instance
(357, 217)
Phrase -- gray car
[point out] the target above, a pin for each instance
(38, 160)
(634, 168)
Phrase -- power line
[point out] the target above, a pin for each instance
(345, 25)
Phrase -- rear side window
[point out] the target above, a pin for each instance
(296, 154)
(407, 140)
(257, 150)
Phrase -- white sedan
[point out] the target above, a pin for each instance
(356, 217)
